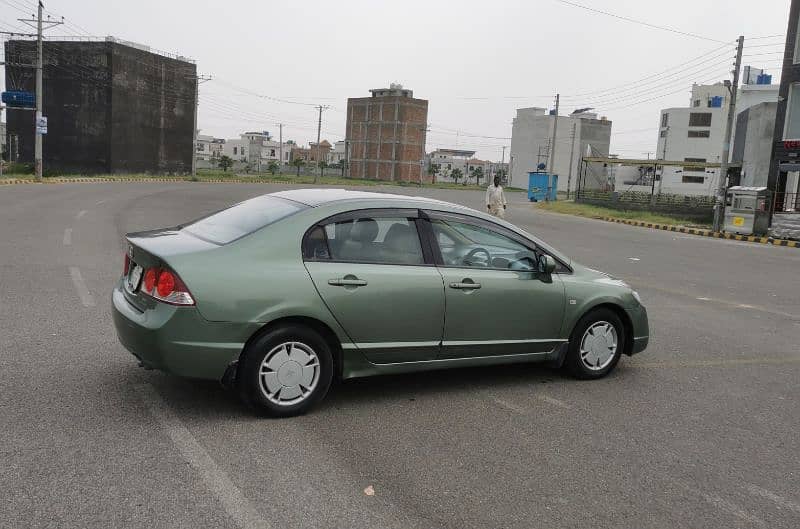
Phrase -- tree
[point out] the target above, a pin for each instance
(272, 167)
(433, 169)
(225, 162)
(478, 174)
(455, 174)
(298, 163)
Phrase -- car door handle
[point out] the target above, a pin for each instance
(465, 286)
(347, 282)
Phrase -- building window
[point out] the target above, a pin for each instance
(694, 168)
(791, 129)
(272, 152)
(700, 119)
(697, 102)
(688, 179)
(699, 133)
(234, 151)
(664, 120)
(796, 58)
(449, 166)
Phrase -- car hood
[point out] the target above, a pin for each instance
(596, 276)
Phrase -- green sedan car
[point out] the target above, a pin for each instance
(280, 295)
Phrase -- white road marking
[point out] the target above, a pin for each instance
(775, 498)
(732, 509)
(80, 287)
(99, 202)
(704, 299)
(507, 405)
(634, 258)
(555, 402)
(218, 482)
(67, 236)
(81, 213)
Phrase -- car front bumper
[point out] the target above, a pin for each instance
(177, 340)
(641, 329)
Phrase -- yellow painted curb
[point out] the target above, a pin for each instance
(706, 233)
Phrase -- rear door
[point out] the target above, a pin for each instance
(497, 301)
(370, 269)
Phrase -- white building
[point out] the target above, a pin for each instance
(448, 160)
(577, 134)
(257, 149)
(337, 154)
(209, 148)
(696, 134)
(237, 149)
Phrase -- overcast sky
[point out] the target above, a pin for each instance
(475, 61)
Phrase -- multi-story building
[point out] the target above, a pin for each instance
(112, 107)
(312, 153)
(577, 134)
(338, 153)
(237, 149)
(695, 134)
(209, 148)
(445, 161)
(386, 135)
(784, 175)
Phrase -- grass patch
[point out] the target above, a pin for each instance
(204, 175)
(569, 207)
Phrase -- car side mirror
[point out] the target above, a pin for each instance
(547, 264)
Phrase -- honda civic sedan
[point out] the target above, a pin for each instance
(283, 294)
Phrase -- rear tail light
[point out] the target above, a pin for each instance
(165, 285)
(127, 266)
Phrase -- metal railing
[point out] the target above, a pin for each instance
(786, 202)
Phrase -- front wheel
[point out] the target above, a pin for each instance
(595, 345)
(286, 371)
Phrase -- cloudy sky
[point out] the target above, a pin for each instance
(475, 61)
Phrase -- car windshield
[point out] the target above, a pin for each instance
(242, 219)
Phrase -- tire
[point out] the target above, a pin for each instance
(286, 371)
(599, 328)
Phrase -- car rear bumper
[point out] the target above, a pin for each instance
(177, 340)
(641, 329)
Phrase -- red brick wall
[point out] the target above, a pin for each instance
(382, 148)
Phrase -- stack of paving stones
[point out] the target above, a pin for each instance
(786, 226)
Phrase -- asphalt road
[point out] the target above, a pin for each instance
(700, 431)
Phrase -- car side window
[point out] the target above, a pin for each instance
(475, 246)
(385, 240)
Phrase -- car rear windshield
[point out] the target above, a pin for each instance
(242, 219)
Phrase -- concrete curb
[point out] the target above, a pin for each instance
(14, 181)
(705, 233)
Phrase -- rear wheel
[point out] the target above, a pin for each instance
(286, 371)
(595, 345)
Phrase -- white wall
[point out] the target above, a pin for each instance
(533, 129)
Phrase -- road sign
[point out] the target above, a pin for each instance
(41, 125)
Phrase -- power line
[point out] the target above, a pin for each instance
(640, 22)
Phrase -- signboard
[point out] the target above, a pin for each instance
(41, 125)
(791, 144)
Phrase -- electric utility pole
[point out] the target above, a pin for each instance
(40, 125)
(319, 131)
(280, 147)
(503, 162)
(571, 156)
(653, 195)
(719, 205)
(197, 80)
(553, 151)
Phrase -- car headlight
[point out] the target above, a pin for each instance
(637, 296)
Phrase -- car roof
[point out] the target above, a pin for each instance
(317, 197)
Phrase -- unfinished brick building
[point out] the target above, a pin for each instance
(386, 135)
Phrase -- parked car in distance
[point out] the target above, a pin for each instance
(282, 294)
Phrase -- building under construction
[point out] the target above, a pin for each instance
(111, 107)
(386, 135)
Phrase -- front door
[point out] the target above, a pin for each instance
(370, 270)
(497, 301)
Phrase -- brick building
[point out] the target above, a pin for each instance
(386, 135)
(312, 153)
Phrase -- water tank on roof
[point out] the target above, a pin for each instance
(716, 102)
(764, 78)
(18, 99)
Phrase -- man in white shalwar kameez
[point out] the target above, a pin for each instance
(496, 199)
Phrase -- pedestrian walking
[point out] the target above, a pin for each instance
(496, 199)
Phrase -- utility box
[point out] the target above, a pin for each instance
(747, 210)
(542, 186)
